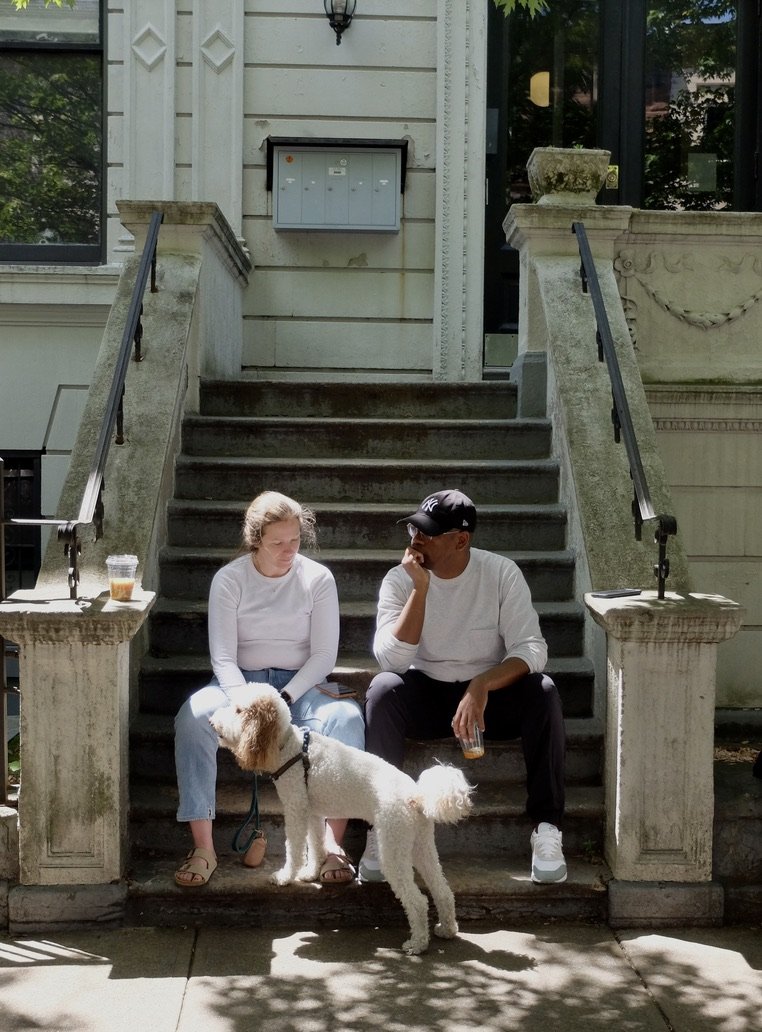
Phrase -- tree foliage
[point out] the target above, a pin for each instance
(533, 6)
(21, 5)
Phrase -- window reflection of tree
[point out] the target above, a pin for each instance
(690, 111)
(50, 147)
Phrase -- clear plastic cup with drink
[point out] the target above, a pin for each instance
(121, 576)
(473, 746)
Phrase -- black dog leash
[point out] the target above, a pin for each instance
(253, 813)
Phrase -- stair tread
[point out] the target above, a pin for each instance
(346, 661)
(473, 880)
(546, 510)
(580, 731)
(199, 605)
(517, 422)
(175, 553)
(364, 462)
(233, 798)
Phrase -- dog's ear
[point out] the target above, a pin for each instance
(257, 748)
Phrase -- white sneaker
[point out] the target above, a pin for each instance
(369, 868)
(548, 864)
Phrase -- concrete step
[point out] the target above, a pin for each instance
(186, 573)
(167, 680)
(354, 525)
(494, 889)
(737, 841)
(498, 823)
(152, 758)
(404, 481)
(178, 625)
(297, 436)
(358, 400)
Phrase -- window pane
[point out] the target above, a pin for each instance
(50, 148)
(52, 25)
(689, 104)
(552, 85)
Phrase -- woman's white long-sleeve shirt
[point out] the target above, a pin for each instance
(472, 622)
(289, 622)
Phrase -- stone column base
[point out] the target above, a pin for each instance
(51, 908)
(643, 904)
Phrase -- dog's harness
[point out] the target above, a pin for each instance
(303, 756)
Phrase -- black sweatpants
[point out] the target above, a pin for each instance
(414, 705)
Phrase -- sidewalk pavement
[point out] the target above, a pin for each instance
(552, 978)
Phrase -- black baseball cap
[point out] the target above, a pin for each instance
(443, 511)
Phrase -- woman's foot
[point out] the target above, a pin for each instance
(197, 868)
(336, 870)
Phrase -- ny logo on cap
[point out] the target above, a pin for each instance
(429, 504)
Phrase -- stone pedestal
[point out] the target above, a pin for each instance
(660, 732)
(74, 671)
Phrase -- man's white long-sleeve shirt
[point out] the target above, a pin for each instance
(472, 622)
(289, 622)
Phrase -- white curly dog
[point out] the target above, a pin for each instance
(317, 776)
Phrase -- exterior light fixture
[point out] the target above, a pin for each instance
(339, 14)
(539, 89)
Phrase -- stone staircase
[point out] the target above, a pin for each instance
(362, 456)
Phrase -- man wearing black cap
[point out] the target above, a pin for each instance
(459, 643)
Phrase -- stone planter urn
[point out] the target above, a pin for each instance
(567, 176)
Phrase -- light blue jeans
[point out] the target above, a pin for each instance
(196, 741)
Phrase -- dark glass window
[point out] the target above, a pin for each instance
(552, 88)
(51, 134)
(690, 62)
(21, 483)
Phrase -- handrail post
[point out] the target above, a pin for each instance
(666, 525)
(72, 550)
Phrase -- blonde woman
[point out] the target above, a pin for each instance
(273, 617)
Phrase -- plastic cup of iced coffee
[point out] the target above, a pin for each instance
(473, 746)
(121, 576)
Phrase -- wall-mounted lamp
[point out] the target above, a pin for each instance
(339, 14)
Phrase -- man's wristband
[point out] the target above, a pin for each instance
(286, 697)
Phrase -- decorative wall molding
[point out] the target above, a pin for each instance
(149, 46)
(218, 50)
(632, 266)
(149, 103)
(461, 111)
(708, 425)
(217, 127)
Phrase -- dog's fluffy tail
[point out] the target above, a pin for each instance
(444, 795)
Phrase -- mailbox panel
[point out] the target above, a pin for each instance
(337, 189)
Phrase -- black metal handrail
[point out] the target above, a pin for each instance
(91, 508)
(642, 507)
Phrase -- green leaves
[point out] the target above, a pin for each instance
(21, 5)
(533, 6)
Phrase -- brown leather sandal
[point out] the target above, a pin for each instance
(201, 864)
(336, 870)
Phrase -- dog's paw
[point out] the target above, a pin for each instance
(282, 877)
(415, 945)
(308, 873)
(446, 929)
